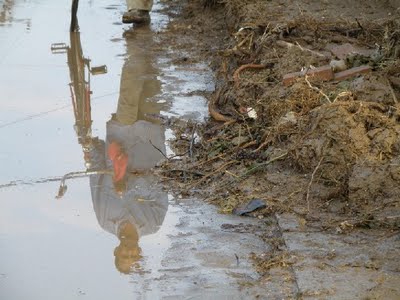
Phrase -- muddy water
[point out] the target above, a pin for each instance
(64, 100)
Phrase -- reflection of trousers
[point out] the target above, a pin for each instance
(139, 4)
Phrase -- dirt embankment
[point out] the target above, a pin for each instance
(323, 146)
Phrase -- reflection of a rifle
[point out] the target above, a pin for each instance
(80, 72)
(63, 187)
(74, 19)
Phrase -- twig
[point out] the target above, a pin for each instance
(266, 33)
(227, 123)
(310, 183)
(392, 217)
(242, 42)
(192, 141)
(309, 50)
(216, 115)
(210, 160)
(316, 89)
(158, 150)
(214, 172)
(342, 94)
(252, 170)
(359, 25)
(177, 155)
(252, 143)
(290, 45)
(392, 91)
(263, 145)
(251, 40)
(230, 173)
(243, 67)
(184, 170)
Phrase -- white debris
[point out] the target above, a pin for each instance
(251, 112)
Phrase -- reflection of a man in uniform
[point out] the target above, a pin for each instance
(129, 203)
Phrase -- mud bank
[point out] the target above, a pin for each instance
(340, 136)
(320, 149)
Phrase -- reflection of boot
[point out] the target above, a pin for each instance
(137, 16)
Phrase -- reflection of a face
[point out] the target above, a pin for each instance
(127, 253)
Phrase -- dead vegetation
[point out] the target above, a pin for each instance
(312, 148)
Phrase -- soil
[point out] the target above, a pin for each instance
(333, 145)
(323, 152)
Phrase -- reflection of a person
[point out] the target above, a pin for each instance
(128, 205)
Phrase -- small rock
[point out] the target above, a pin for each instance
(338, 65)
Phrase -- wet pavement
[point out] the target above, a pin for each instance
(89, 105)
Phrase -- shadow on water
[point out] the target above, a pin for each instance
(127, 201)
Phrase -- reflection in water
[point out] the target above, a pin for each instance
(5, 10)
(126, 199)
(6, 14)
(80, 71)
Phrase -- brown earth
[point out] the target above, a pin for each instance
(326, 151)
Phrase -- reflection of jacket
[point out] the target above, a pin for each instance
(143, 204)
(139, 141)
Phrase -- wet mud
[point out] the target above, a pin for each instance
(321, 150)
(118, 138)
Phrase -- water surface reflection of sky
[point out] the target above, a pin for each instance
(55, 249)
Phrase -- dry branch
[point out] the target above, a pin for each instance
(311, 182)
(236, 77)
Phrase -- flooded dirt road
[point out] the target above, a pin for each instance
(74, 104)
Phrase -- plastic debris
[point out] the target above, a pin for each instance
(249, 207)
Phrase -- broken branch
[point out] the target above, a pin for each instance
(311, 182)
(243, 67)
